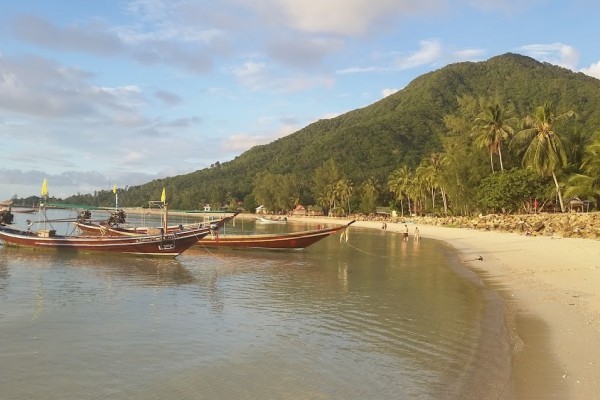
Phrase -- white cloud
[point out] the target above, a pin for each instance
(593, 70)
(554, 53)
(92, 37)
(38, 87)
(358, 70)
(469, 55)
(429, 53)
(241, 142)
(301, 52)
(259, 76)
(340, 17)
(387, 91)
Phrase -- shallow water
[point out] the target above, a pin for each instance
(374, 317)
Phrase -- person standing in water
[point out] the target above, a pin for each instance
(417, 234)
(405, 233)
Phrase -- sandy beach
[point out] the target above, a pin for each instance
(551, 288)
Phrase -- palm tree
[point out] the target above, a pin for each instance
(370, 192)
(442, 163)
(587, 184)
(430, 173)
(545, 153)
(398, 183)
(425, 174)
(344, 190)
(576, 143)
(420, 187)
(327, 198)
(493, 128)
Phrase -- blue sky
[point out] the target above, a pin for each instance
(97, 93)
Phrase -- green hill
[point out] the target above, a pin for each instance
(400, 129)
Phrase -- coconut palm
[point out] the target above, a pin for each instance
(492, 128)
(545, 153)
(425, 174)
(422, 186)
(430, 173)
(370, 190)
(398, 183)
(327, 198)
(587, 184)
(344, 190)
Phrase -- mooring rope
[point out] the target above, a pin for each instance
(211, 253)
(363, 251)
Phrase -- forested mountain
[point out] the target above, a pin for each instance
(399, 130)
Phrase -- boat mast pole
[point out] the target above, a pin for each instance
(44, 198)
(166, 218)
(163, 199)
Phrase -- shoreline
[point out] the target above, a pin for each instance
(550, 287)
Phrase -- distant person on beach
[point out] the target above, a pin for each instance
(417, 234)
(405, 233)
(384, 226)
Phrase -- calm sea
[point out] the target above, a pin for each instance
(371, 318)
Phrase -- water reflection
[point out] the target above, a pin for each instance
(343, 277)
(375, 317)
(141, 271)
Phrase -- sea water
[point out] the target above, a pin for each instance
(373, 317)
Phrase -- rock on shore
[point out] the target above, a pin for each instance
(569, 225)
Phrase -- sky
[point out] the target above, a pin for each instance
(121, 92)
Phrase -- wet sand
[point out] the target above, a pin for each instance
(551, 288)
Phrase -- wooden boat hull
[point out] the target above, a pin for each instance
(91, 228)
(287, 241)
(170, 244)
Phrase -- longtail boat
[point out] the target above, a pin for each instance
(107, 229)
(162, 244)
(281, 241)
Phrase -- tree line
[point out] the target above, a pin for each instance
(534, 161)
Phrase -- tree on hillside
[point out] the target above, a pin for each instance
(275, 191)
(491, 130)
(544, 152)
(464, 164)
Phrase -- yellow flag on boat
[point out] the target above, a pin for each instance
(115, 188)
(163, 197)
(44, 191)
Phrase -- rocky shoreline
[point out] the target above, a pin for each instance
(570, 225)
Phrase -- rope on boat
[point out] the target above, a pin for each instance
(210, 252)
